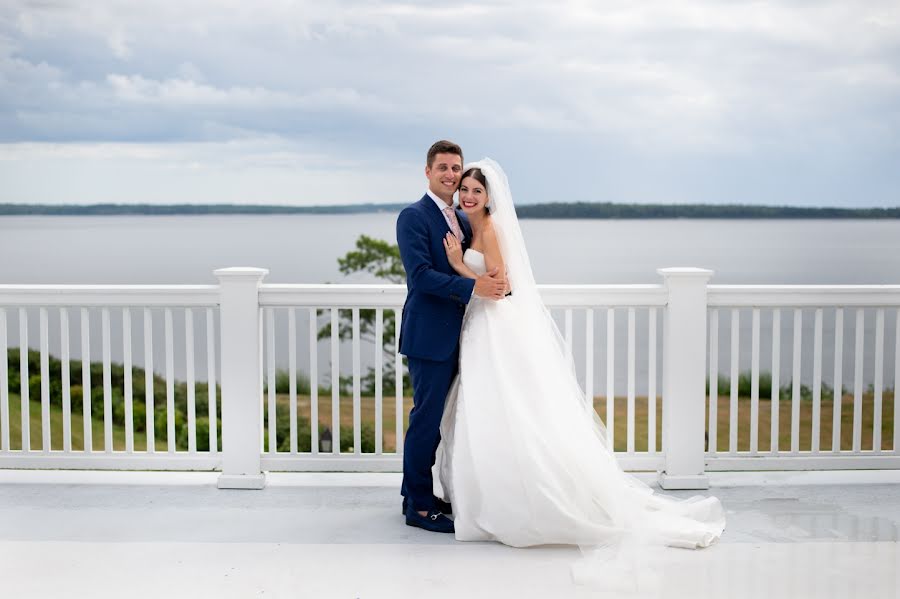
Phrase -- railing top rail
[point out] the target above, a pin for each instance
(603, 295)
(109, 295)
(393, 296)
(803, 295)
(336, 296)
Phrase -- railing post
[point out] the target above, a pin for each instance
(684, 378)
(241, 332)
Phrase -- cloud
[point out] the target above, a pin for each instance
(251, 171)
(659, 92)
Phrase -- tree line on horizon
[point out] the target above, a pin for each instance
(562, 210)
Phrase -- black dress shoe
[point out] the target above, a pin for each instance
(434, 521)
(443, 506)
(440, 504)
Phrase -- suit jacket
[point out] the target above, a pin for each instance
(436, 296)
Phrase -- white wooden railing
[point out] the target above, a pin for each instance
(125, 299)
(254, 318)
(772, 301)
(305, 302)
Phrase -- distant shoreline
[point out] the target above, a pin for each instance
(579, 210)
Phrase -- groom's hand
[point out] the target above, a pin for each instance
(490, 285)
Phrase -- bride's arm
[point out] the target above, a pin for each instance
(492, 256)
(454, 257)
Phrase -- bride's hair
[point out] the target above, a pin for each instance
(477, 174)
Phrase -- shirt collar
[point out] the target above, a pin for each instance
(441, 204)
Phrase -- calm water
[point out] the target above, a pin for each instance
(305, 248)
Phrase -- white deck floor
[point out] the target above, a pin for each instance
(111, 534)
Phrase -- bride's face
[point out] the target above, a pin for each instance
(473, 196)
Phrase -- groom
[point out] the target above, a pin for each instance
(432, 318)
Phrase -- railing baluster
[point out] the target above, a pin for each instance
(629, 436)
(107, 384)
(713, 381)
(66, 379)
(754, 383)
(189, 361)
(733, 405)
(45, 380)
(795, 390)
(776, 382)
(568, 324)
(313, 381)
(170, 383)
(4, 385)
(398, 378)
(838, 382)
(879, 378)
(129, 392)
(23, 377)
(270, 368)
(211, 381)
(357, 398)
(86, 380)
(589, 358)
(817, 381)
(651, 380)
(335, 385)
(292, 373)
(896, 444)
(261, 315)
(148, 381)
(610, 374)
(858, 382)
(379, 399)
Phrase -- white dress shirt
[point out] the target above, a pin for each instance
(441, 204)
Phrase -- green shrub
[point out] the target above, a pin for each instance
(744, 388)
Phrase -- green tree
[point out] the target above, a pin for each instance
(374, 256)
(382, 259)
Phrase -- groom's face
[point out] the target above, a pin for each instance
(443, 175)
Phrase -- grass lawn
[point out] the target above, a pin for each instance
(56, 429)
(367, 413)
(620, 420)
(806, 419)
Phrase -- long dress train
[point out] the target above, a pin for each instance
(522, 458)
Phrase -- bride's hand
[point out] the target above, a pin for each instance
(453, 249)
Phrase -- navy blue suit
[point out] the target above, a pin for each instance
(429, 335)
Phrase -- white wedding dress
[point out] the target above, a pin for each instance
(522, 459)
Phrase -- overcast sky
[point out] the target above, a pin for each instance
(336, 102)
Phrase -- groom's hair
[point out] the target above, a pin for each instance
(442, 147)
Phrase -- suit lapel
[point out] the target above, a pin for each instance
(435, 213)
(438, 219)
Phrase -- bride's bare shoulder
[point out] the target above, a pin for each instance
(488, 229)
(491, 244)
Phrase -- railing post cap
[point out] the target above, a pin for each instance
(685, 272)
(248, 272)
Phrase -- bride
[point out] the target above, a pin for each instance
(523, 459)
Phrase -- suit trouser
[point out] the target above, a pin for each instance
(430, 381)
